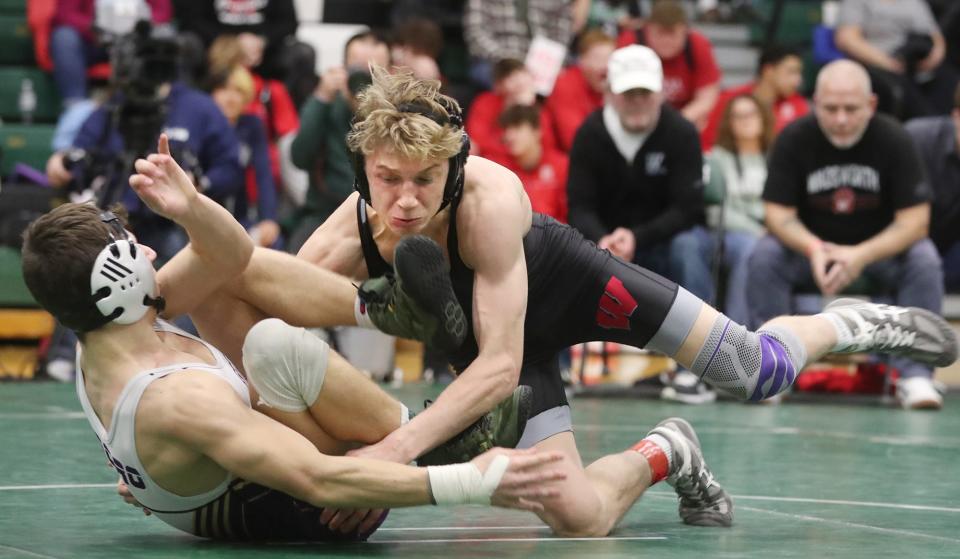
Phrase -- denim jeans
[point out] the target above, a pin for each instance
(951, 268)
(775, 272)
(72, 54)
(691, 258)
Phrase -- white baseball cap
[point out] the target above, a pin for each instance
(633, 67)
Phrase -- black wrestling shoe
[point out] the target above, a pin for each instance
(502, 426)
(418, 302)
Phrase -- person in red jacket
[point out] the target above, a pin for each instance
(691, 77)
(542, 171)
(579, 89)
(513, 85)
(779, 77)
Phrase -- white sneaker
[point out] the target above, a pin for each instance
(62, 370)
(687, 388)
(918, 393)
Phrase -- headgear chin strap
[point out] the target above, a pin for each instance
(455, 175)
(122, 282)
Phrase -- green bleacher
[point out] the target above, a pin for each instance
(28, 144)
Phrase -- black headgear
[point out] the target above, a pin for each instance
(122, 284)
(455, 177)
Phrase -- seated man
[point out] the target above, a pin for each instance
(531, 287)
(846, 198)
(176, 418)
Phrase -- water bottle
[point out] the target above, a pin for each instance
(27, 102)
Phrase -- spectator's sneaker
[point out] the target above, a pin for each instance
(703, 502)
(912, 332)
(418, 302)
(61, 370)
(687, 388)
(918, 393)
(502, 426)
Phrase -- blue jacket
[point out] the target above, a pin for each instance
(252, 135)
(192, 120)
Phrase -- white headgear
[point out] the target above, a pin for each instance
(123, 282)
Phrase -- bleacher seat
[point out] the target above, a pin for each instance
(16, 43)
(29, 144)
(796, 24)
(13, 292)
(48, 100)
(13, 7)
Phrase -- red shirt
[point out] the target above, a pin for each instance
(785, 111)
(279, 121)
(546, 185)
(570, 103)
(680, 81)
(485, 132)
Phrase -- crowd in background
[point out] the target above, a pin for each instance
(635, 143)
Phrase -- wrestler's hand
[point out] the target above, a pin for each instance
(162, 184)
(128, 497)
(346, 521)
(383, 450)
(531, 477)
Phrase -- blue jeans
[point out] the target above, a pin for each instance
(951, 268)
(71, 55)
(691, 258)
(914, 278)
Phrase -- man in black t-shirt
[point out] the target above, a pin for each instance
(848, 206)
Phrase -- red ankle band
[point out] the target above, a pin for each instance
(659, 464)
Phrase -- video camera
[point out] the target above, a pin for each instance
(143, 62)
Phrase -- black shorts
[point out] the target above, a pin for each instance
(252, 512)
(578, 293)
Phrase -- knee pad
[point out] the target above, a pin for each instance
(749, 365)
(285, 364)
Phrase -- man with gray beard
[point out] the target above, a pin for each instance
(848, 209)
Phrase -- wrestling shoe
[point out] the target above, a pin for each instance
(703, 502)
(911, 332)
(502, 426)
(418, 301)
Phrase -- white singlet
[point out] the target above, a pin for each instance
(119, 442)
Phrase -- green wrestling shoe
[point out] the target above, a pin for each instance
(418, 302)
(502, 426)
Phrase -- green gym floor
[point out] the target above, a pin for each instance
(809, 480)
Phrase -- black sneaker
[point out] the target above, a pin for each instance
(502, 426)
(418, 302)
(685, 387)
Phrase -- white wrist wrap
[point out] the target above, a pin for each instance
(459, 484)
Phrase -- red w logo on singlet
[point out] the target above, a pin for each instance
(616, 306)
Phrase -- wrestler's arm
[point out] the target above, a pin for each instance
(491, 224)
(256, 448)
(219, 246)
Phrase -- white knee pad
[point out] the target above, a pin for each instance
(285, 364)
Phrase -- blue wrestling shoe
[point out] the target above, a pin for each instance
(703, 502)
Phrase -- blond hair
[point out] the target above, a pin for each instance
(379, 124)
(241, 79)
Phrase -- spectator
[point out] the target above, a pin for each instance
(691, 78)
(903, 49)
(77, 41)
(270, 102)
(779, 77)
(417, 42)
(846, 197)
(266, 30)
(542, 171)
(199, 135)
(636, 180)
(320, 147)
(580, 88)
(499, 29)
(938, 140)
(738, 169)
(513, 85)
(255, 206)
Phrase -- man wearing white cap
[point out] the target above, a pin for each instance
(635, 181)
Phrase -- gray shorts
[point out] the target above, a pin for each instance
(546, 424)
